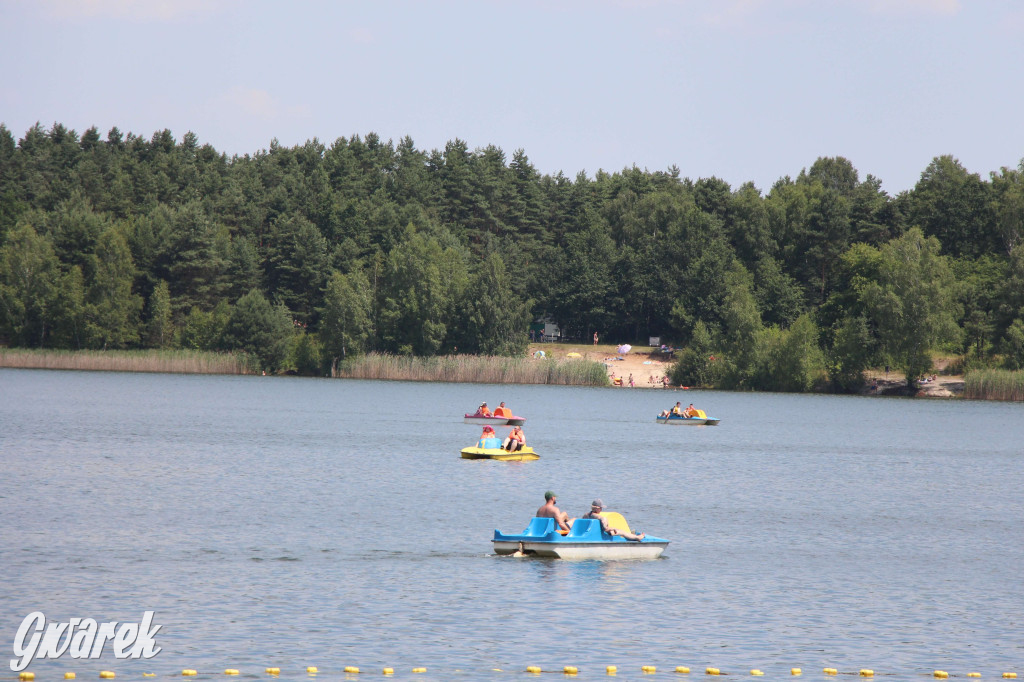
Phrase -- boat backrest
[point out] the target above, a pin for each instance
(489, 443)
(616, 520)
(539, 526)
(502, 412)
(581, 527)
(700, 413)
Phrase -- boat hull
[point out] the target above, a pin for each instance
(585, 540)
(584, 550)
(494, 421)
(525, 455)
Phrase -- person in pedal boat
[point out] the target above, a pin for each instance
(482, 411)
(677, 410)
(595, 513)
(550, 511)
(488, 432)
(515, 441)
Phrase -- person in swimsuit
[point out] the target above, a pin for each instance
(595, 513)
(550, 511)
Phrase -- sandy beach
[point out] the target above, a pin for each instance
(648, 366)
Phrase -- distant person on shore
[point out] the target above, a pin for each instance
(596, 507)
(595, 338)
(550, 511)
(631, 385)
(664, 381)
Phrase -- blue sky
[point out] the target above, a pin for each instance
(745, 90)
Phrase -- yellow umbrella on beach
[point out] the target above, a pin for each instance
(573, 355)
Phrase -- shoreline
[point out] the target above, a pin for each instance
(645, 364)
(647, 368)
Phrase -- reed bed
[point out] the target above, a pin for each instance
(994, 384)
(167, 361)
(482, 369)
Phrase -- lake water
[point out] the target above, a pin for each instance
(307, 522)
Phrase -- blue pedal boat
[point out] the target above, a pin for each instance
(585, 540)
(700, 419)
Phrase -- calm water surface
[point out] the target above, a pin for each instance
(296, 522)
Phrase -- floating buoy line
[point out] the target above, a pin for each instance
(568, 670)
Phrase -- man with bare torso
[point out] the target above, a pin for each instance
(550, 511)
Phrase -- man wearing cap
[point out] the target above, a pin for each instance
(595, 513)
(550, 511)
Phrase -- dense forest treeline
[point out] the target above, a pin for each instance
(305, 256)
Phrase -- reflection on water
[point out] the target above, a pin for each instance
(297, 522)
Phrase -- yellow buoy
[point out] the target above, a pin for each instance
(611, 670)
(973, 674)
(26, 675)
(273, 671)
(107, 674)
(940, 674)
(1010, 676)
(570, 670)
(533, 668)
(312, 670)
(682, 669)
(389, 671)
(796, 671)
(649, 668)
(149, 674)
(830, 671)
(231, 671)
(189, 672)
(713, 671)
(756, 673)
(419, 670)
(351, 669)
(69, 676)
(865, 672)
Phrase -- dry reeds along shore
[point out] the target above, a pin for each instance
(486, 369)
(167, 361)
(994, 384)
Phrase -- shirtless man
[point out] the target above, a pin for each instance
(550, 511)
(595, 513)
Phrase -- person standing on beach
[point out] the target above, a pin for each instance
(595, 338)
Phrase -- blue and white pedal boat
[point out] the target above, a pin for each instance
(700, 419)
(585, 540)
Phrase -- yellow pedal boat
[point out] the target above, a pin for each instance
(490, 448)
